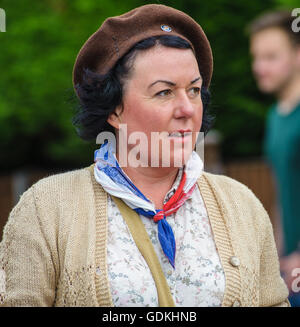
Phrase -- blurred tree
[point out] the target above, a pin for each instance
(287, 4)
(37, 53)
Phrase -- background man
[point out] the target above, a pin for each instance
(275, 49)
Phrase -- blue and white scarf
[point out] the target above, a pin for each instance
(114, 181)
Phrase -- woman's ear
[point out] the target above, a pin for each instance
(114, 119)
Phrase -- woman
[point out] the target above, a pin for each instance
(146, 232)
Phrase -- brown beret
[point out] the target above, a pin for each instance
(117, 35)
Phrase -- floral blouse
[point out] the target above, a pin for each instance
(198, 279)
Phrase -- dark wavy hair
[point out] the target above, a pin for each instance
(99, 95)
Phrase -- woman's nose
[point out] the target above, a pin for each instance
(183, 106)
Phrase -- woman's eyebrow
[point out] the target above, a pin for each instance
(171, 83)
(196, 80)
(161, 81)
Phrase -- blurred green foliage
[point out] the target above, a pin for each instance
(38, 50)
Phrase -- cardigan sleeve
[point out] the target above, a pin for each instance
(273, 290)
(26, 263)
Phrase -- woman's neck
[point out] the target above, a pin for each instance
(153, 182)
(150, 175)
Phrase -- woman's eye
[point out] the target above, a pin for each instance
(195, 91)
(163, 93)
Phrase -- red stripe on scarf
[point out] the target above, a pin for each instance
(174, 203)
(177, 195)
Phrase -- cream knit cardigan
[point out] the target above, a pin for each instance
(53, 251)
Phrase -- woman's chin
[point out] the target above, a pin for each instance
(176, 160)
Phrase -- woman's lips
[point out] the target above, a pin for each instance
(180, 133)
(180, 137)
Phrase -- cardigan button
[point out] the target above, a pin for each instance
(236, 303)
(234, 261)
(98, 271)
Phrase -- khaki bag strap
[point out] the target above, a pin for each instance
(145, 246)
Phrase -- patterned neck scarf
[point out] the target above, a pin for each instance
(114, 181)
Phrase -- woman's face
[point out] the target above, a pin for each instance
(162, 95)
